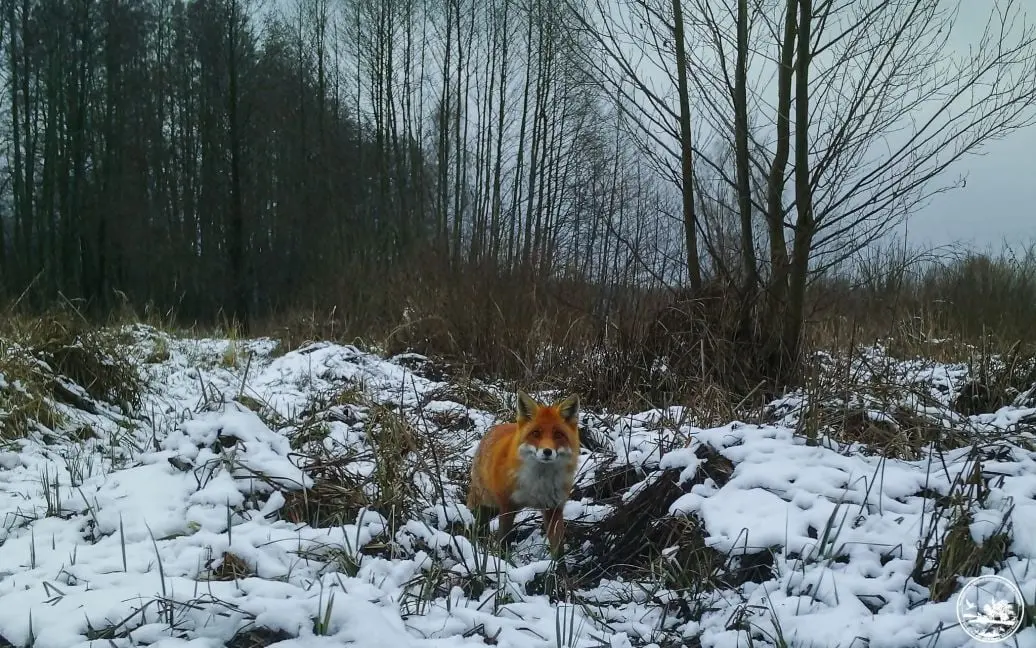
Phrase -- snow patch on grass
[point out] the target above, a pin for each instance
(206, 517)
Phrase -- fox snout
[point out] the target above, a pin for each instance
(545, 455)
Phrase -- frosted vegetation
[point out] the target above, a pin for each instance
(169, 490)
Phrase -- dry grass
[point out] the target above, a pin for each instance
(23, 394)
(473, 393)
(880, 399)
(74, 348)
(639, 541)
(899, 434)
(258, 638)
(38, 354)
(947, 549)
(380, 478)
(652, 349)
(871, 416)
(939, 302)
(625, 350)
(229, 567)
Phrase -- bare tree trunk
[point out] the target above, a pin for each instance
(516, 192)
(742, 162)
(504, 39)
(536, 142)
(804, 224)
(690, 220)
(16, 71)
(778, 281)
(460, 166)
(236, 230)
(443, 124)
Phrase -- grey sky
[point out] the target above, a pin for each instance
(998, 203)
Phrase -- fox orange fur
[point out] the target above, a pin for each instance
(530, 463)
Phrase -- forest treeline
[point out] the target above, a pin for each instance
(205, 154)
(483, 165)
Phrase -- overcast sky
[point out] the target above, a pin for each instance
(998, 203)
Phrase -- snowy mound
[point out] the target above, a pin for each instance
(316, 498)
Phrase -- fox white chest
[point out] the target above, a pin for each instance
(542, 485)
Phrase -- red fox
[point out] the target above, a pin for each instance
(529, 464)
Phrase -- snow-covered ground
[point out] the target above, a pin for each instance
(183, 524)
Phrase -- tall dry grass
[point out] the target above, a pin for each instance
(623, 345)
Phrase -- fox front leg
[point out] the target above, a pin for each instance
(554, 529)
(505, 524)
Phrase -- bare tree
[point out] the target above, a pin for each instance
(884, 106)
(641, 57)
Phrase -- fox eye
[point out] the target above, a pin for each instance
(535, 434)
(558, 436)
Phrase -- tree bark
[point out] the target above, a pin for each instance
(690, 219)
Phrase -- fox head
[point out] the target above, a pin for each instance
(548, 433)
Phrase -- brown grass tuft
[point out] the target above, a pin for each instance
(70, 348)
(948, 551)
(258, 638)
(382, 477)
(895, 433)
(639, 530)
(229, 567)
(23, 396)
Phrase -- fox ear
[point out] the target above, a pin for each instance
(569, 410)
(527, 407)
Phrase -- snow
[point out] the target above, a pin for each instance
(116, 540)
